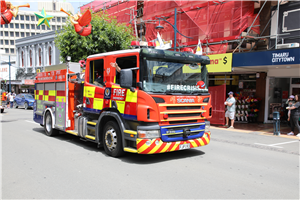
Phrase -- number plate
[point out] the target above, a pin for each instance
(184, 146)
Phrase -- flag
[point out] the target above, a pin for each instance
(199, 48)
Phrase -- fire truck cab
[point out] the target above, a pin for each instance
(158, 102)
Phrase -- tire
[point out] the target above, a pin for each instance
(49, 131)
(15, 105)
(2, 110)
(26, 105)
(112, 139)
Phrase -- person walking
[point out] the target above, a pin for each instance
(11, 100)
(294, 117)
(230, 113)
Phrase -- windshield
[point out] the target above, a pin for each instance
(28, 96)
(172, 77)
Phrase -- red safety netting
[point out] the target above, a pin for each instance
(117, 8)
(204, 20)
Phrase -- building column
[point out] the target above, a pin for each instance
(44, 55)
(17, 58)
(54, 56)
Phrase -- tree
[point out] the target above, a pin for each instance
(107, 35)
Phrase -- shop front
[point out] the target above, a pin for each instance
(275, 75)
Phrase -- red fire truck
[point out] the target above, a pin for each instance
(158, 102)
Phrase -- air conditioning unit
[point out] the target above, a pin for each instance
(288, 45)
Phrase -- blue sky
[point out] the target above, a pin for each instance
(34, 7)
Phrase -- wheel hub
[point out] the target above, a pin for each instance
(48, 124)
(111, 139)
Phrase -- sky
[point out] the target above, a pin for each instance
(34, 5)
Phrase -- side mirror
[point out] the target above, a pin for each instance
(126, 79)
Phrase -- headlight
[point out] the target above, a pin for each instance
(207, 126)
(148, 134)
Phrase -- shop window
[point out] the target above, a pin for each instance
(295, 80)
(96, 72)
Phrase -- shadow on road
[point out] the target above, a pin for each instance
(128, 157)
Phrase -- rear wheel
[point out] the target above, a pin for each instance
(112, 139)
(48, 125)
(26, 105)
(2, 110)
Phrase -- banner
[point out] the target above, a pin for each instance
(220, 63)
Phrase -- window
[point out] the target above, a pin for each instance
(1, 33)
(1, 42)
(22, 26)
(22, 58)
(32, 33)
(27, 26)
(30, 57)
(12, 50)
(32, 18)
(96, 72)
(38, 27)
(63, 19)
(6, 25)
(6, 42)
(124, 63)
(22, 34)
(17, 25)
(40, 56)
(11, 25)
(6, 50)
(6, 33)
(58, 19)
(53, 19)
(12, 42)
(50, 53)
(12, 34)
(27, 18)
(17, 18)
(17, 34)
(53, 27)
(43, 27)
(22, 17)
(32, 26)
(27, 34)
(48, 28)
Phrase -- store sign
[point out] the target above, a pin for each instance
(220, 62)
(28, 82)
(261, 58)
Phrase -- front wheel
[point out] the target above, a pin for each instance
(2, 110)
(112, 140)
(48, 125)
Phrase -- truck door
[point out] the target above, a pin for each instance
(94, 85)
(122, 98)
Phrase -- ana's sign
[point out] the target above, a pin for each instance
(220, 62)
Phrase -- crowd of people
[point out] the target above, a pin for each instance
(8, 99)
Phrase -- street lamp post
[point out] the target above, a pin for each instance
(174, 26)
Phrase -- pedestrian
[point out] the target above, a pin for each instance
(8, 99)
(230, 113)
(11, 100)
(290, 102)
(294, 117)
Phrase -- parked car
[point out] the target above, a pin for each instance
(23, 100)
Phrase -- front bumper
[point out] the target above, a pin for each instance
(153, 146)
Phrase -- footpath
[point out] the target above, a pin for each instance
(263, 129)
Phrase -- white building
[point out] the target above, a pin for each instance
(25, 24)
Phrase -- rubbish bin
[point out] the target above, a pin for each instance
(276, 123)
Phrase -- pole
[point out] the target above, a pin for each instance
(277, 24)
(175, 29)
(9, 74)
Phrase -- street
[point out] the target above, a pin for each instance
(235, 165)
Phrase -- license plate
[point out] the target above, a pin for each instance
(184, 146)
